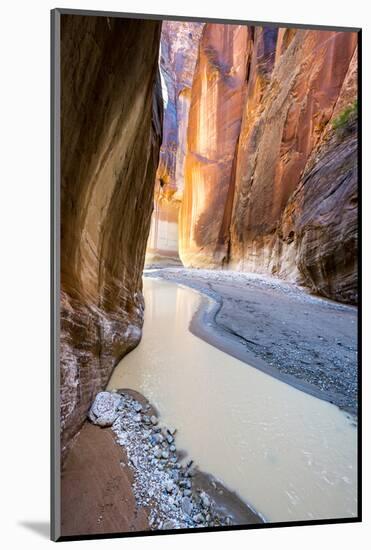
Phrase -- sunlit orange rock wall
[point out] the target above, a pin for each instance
(111, 118)
(214, 125)
(179, 48)
(262, 103)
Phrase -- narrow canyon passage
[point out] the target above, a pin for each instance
(215, 152)
(247, 181)
(258, 162)
(287, 454)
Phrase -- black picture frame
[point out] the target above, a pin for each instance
(55, 273)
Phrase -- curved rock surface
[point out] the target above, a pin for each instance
(111, 118)
(321, 220)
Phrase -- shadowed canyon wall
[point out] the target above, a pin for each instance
(270, 180)
(179, 48)
(111, 119)
(318, 229)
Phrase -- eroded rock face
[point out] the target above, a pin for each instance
(213, 129)
(263, 105)
(111, 117)
(319, 223)
(179, 48)
(278, 139)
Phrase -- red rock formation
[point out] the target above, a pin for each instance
(214, 125)
(318, 229)
(179, 47)
(263, 102)
(278, 138)
(110, 137)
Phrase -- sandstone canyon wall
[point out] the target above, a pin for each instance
(318, 229)
(111, 119)
(270, 183)
(179, 48)
(213, 129)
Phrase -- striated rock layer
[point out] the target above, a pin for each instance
(179, 47)
(111, 112)
(318, 229)
(214, 125)
(270, 182)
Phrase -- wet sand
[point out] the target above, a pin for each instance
(97, 485)
(304, 340)
(96, 488)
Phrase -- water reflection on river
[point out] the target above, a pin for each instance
(288, 454)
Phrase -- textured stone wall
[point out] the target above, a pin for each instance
(111, 118)
(278, 138)
(318, 229)
(214, 125)
(264, 102)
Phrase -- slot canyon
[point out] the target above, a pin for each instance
(223, 158)
(110, 139)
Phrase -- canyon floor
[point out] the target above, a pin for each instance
(128, 476)
(124, 474)
(278, 327)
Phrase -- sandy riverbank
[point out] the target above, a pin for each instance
(127, 476)
(97, 487)
(304, 340)
(112, 483)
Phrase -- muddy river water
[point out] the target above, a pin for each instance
(289, 455)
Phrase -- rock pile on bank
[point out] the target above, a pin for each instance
(162, 482)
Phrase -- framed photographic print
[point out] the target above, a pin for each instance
(205, 289)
